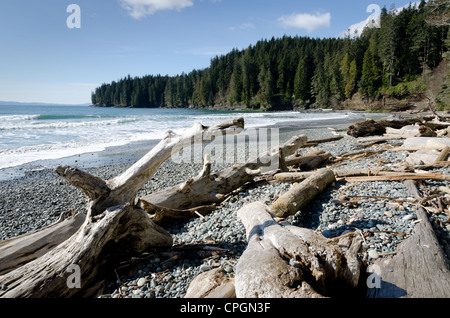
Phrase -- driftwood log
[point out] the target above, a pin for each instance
(25, 248)
(418, 270)
(371, 127)
(284, 261)
(207, 188)
(113, 228)
(300, 195)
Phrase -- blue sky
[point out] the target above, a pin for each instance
(43, 60)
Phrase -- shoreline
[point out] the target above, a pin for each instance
(37, 199)
(132, 152)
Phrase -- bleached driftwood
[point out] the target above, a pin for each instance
(419, 268)
(212, 284)
(410, 131)
(25, 248)
(284, 261)
(371, 127)
(113, 225)
(209, 188)
(425, 143)
(397, 176)
(300, 195)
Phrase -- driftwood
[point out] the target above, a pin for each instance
(419, 268)
(397, 177)
(300, 195)
(113, 225)
(410, 131)
(23, 249)
(207, 188)
(212, 284)
(371, 127)
(284, 261)
(160, 214)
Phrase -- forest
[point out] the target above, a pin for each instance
(303, 72)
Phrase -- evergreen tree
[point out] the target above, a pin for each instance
(301, 71)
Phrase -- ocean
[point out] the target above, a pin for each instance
(47, 132)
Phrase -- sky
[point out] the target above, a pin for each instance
(59, 51)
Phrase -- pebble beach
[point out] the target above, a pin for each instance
(383, 212)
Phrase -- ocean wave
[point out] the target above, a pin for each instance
(29, 124)
(4, 118)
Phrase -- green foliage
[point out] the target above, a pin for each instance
(405, 88)
(300, 71)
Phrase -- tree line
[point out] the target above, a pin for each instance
(301, 71)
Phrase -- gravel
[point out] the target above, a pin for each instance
(37, 199)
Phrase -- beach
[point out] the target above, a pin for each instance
(35, 198)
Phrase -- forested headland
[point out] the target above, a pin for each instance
(301, 72)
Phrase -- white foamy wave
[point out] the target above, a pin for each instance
(34, 125)
(19, 156)
(29, 138)
(18, 117)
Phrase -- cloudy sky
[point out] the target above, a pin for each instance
(57, 53)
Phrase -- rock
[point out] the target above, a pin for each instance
(373, 254)
(141, 282)
(205, 268)
(137, 292)
(407, 217)
(228, 268)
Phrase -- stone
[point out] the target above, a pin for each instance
(205, 268)
(373, 254)
(408, 217)
(141, 282)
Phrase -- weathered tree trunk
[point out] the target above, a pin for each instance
(209, 188)
(284, 261)
(410, 131)
(114, 227)
(23, 249)
(393, 176)
(371, 127)
(418, 270)
(300, 195)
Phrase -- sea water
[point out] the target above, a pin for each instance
(45, 132)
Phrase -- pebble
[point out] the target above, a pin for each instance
(141, 282)
(373, 254)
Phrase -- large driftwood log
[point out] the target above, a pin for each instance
(418, 270)
(371, 127)
(209, 188)
(23, 249)
(410, 131)
(300, 195)
(283, 261)
(113, 228)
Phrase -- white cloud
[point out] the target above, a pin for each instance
(309, 22)
(141, 8)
